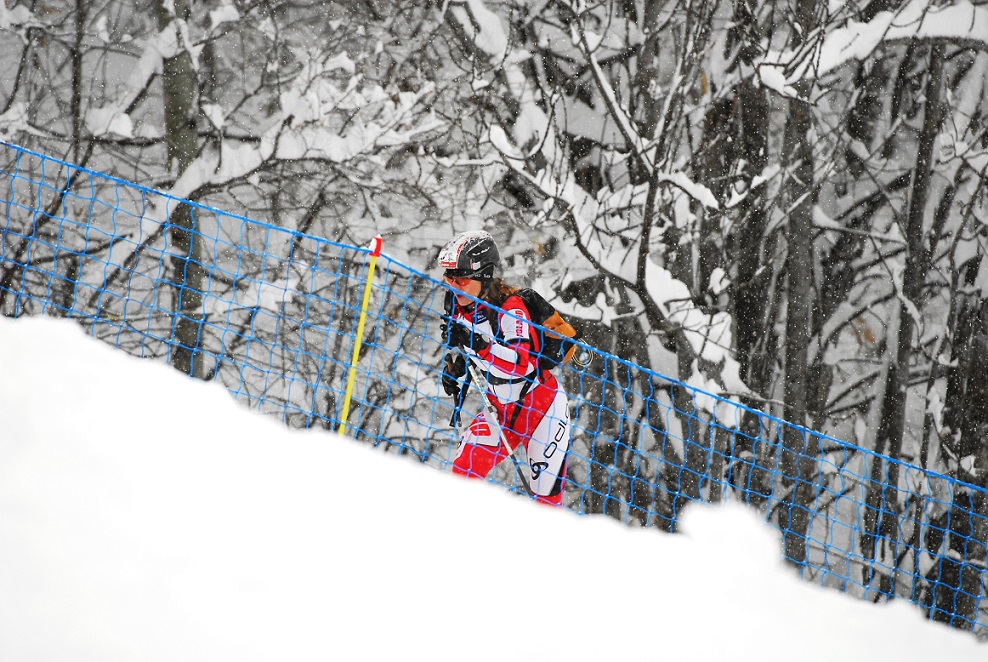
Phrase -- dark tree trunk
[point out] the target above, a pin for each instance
(796, 463)
(882, 499)
(180, 94)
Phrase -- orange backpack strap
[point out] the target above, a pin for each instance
(563, 330)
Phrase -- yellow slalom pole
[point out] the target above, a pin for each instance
(375, 253)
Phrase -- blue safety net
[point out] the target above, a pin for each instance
(271, 314)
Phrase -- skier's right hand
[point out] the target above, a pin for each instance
(454, 367)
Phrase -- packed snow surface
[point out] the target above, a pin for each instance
(145, 516)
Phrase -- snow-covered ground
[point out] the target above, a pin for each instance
(144, 516)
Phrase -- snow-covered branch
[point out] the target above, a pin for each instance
(960, 21)
(304, 127)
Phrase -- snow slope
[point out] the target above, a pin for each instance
(144, 516)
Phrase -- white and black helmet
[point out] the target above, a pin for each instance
(470, 254)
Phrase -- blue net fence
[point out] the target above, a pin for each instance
(271, 314)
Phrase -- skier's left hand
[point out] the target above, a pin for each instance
(453, 369)
(462, 336)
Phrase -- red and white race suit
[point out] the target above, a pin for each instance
(530, 407)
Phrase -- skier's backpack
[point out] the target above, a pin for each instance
(556, 340)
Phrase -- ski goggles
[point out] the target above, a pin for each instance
(463, 276)
(459, 281)
(459, 277)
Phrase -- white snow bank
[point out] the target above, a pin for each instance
(148, 517)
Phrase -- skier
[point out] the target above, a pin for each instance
(531, 409)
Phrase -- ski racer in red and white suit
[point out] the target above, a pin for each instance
(529, 403)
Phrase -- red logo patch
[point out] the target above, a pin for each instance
(519, 322)
(480, 428)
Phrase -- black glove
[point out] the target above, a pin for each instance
(459, 335)
(454, 367)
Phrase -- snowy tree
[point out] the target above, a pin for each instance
(799, 185)
(292, 113)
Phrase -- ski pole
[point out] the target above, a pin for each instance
(461, 396)
(492, 413)
(488, 407)
(375, 253)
